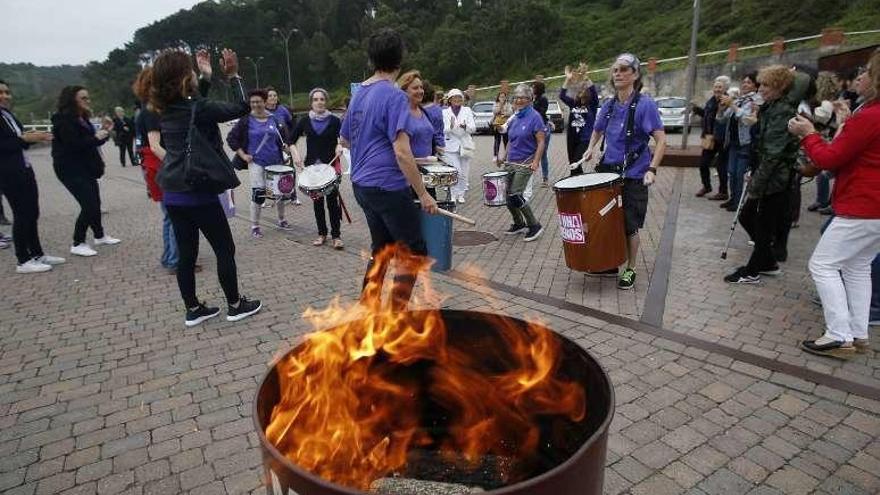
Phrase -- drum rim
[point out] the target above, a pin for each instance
(285, 168)
(617, 179)
(448, 168)
(497, 173)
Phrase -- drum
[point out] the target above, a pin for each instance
(440, 176)
(591, 221)
(318, 180)
(495, 188)
(280, 181)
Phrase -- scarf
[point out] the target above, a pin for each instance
(455, 110)
(319, 116)
(10, 120)
(522, 111)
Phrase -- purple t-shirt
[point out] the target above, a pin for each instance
(421, 135)
(319, 125)
(647, 120)
(521, 132)
(263, 141)
(283, 115)
(377, 113)
(435, 115)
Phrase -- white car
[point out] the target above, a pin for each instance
(483, 116)
(672, 110)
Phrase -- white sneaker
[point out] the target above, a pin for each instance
(32, 266)
(461, 199)
(106, 240)
(82, 250)
(51, 260)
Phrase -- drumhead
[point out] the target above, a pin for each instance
(586, 181)
(500, 173)
(439, 169)
(281, 169)
(317, 175)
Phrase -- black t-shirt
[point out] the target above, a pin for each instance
(319, 147)
(146, 121)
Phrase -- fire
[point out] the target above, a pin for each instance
(353, 398)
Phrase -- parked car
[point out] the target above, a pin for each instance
(672, 110)
(554, 114)
(483, 116)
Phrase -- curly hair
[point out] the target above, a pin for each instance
(172, 79)
(407, 78)
(142, 84)
(67, 104)
(778, 77)
(826, 89)
(874, 75)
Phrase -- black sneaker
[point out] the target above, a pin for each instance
(612, 273)
(244, 309)
(534, 232)
(199, 314)
(829, 348)
(727, 204)
(741, 276)
(516, 229)
(627, 279)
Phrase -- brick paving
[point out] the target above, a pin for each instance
(102, 389)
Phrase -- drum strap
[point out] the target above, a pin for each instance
(628, 157)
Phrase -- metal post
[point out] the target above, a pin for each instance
(286, 37)
(691, 75)
(256, 69)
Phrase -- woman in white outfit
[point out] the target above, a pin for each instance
(458, 125)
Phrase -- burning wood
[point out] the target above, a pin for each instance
(408, 486)
(357, 402)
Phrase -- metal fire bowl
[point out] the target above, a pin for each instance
(581, 464)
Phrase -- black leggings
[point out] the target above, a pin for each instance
(85, 191)
(499, 137)
(211, 221)
(332, 201)
(126, 145)
(20, 189)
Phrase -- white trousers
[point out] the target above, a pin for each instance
(463, 165)
(258, 181)
(841, 270)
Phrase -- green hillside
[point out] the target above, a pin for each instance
(478, 41)
(35, 89)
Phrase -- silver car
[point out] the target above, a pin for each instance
(672, 110)
(483, 116)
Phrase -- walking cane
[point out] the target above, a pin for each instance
(742, 200)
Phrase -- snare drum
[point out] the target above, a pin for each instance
(495, 188)
(440, 176)
(591, 221)
(280, 181)
(318, 180)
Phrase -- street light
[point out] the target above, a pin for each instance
(256, 69)
(286, 36)
(691, 75)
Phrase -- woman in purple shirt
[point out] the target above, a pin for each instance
(527, 135)
(418, 127)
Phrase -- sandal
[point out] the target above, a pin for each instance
(319, 241)
(337, 244)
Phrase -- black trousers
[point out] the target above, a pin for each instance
(393, 218)
(20, 188)
(761, 219)
(332, 201)
(126, 145)
(211, 221)
(576, 150)
(499, 137)
(85, 191)
(714, 157)
(790, 216)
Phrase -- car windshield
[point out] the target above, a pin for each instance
(483, 107)
(671, 103)
(553, 107)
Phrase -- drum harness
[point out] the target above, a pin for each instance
(629, 157)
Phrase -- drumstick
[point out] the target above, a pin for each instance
(344, 209)
(454, 216)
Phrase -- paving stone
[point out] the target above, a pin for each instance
(682, 474)
(198, 476)
(725, 482)
(684, 439)
(657, 485)
(115, 483)
(748, 470)
(792, 481)
(705, 459)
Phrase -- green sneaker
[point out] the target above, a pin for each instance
(627, 279)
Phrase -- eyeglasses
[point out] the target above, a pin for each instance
(520, 97)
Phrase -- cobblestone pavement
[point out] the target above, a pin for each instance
(103, 390)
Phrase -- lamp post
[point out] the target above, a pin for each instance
(691, 75)
(256, 69)
(286, 36)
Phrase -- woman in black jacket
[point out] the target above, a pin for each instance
(175, 89)
(18, 184)
(78, 164)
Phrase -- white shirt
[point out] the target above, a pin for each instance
(453, 130)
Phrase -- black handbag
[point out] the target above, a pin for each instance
(205, 169)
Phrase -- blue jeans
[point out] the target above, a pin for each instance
(875, 289)
(823, 189)
(545, 163)
(170, 255)
(737, 166)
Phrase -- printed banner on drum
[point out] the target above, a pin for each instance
(572, 228)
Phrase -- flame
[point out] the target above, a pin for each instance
(350, 411)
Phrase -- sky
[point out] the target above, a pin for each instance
(56, 32)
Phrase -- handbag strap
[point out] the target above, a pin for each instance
(191, 127)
